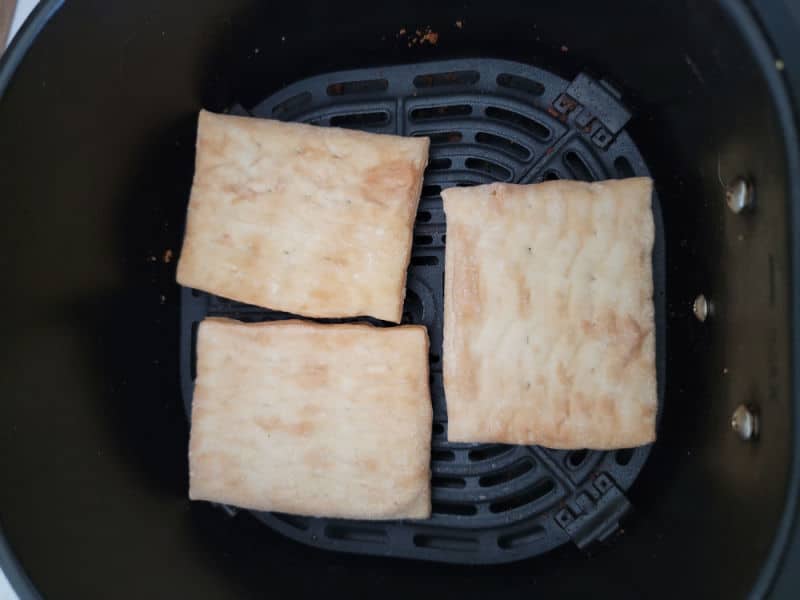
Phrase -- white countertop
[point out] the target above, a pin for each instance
(24, 7)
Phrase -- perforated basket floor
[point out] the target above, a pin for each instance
(488, 120)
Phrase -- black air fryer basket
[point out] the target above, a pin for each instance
(98, 108)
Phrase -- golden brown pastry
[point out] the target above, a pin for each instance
(548, 330)
(315, 221)
(323, 420)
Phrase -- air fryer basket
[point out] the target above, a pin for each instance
(97, 119)
(488, 120)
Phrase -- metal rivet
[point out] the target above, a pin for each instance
(744, 422)
(739, 195)
(701, 308)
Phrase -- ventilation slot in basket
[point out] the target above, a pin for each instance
(521, 538)
(356, 534)
(536, 129)
(430, 191)
(443, 137)
(577, 166)
(456, 483)
(439, 164)
(412, 308)
(494, 170)
(441, 112)
(523, 84)
(367, 86)
(451, 543)
(359, 120)
(537, 492)
(443, 456)
(446, 79)
(504, 145)
(576, 458)
(518, 469)
(428, 261)
(424, 216)
(487, 452)
(448, 508)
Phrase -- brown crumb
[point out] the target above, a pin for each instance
(402, 31)
(431, 37)
(167, 258)
(459, 23)
(421, 37)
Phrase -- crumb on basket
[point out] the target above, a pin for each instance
(431, 37)
(420, 37)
